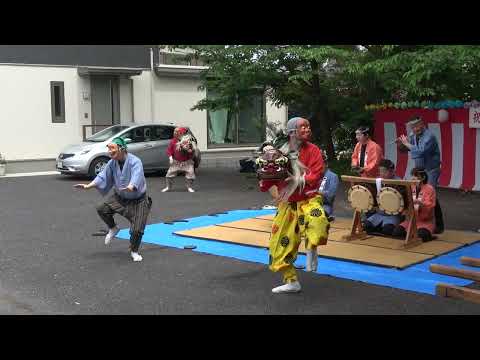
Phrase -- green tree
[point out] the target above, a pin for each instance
(332, 83)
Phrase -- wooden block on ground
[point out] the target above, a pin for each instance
(463, 237)
(469, 261)
(456, 272)
(458, 292)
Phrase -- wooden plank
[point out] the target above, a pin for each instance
(265, 217)
(341, 223)
(333, 249)
(356, 179)
(458, 292)
(463, 237)
(255, 224)
(429, 248)
(239, 236)
(371, 255)
(250, 224)
(452, 271)
(469, 261)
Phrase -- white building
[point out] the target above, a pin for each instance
(53, 96)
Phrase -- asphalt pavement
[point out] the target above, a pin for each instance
(51, 264)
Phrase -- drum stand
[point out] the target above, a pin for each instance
(358, 233)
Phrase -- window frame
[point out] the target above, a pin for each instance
(236, 120)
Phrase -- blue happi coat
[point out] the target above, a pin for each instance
(328, 187)
(112, 176)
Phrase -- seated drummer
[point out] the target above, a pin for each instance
(424, 200)
(328, 188)
(379, 221)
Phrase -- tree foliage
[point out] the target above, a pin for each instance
(330, 84)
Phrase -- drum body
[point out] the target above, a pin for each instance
(392, 199)
(361, 197)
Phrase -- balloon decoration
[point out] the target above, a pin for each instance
(442, 116)
(425, 104)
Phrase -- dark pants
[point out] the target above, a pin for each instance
(135, 211)
(386, 229)
(422, 233)
(433, 176)
(439, 225)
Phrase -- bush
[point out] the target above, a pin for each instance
(341, 167)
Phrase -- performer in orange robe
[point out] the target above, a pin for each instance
(367, 154)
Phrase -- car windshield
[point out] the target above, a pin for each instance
(106, 133)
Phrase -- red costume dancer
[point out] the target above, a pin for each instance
(300, 212)
(182, 152)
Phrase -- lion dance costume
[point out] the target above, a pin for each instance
(300, 212)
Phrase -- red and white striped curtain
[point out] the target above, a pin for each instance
(459, 144)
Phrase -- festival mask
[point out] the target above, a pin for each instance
(186, 143)
(113, 150)
(272, 165)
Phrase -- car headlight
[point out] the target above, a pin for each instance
(84, 152)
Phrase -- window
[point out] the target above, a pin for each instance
(137, 135)
(106, 133)
(163, 132)
(247, 127)
(58, 101)
(167, 58)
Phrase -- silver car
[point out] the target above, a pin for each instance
(148, 142)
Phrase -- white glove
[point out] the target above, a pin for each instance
(171, 160)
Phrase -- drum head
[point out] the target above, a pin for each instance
(360, 198)
(390, 201)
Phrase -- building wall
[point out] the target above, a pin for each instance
(173, 99)
(142, 98)
(25, 114)
(126, 104)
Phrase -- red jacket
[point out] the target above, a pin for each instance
(310, 156)
(176, 154)
(373, 156)
(426, 211)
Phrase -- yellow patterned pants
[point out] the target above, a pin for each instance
(293, 222)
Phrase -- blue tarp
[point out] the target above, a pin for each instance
(414, 278)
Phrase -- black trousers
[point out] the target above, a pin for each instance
(439, 225)
(136, 211)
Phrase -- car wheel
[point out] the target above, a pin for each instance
(97, 166)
